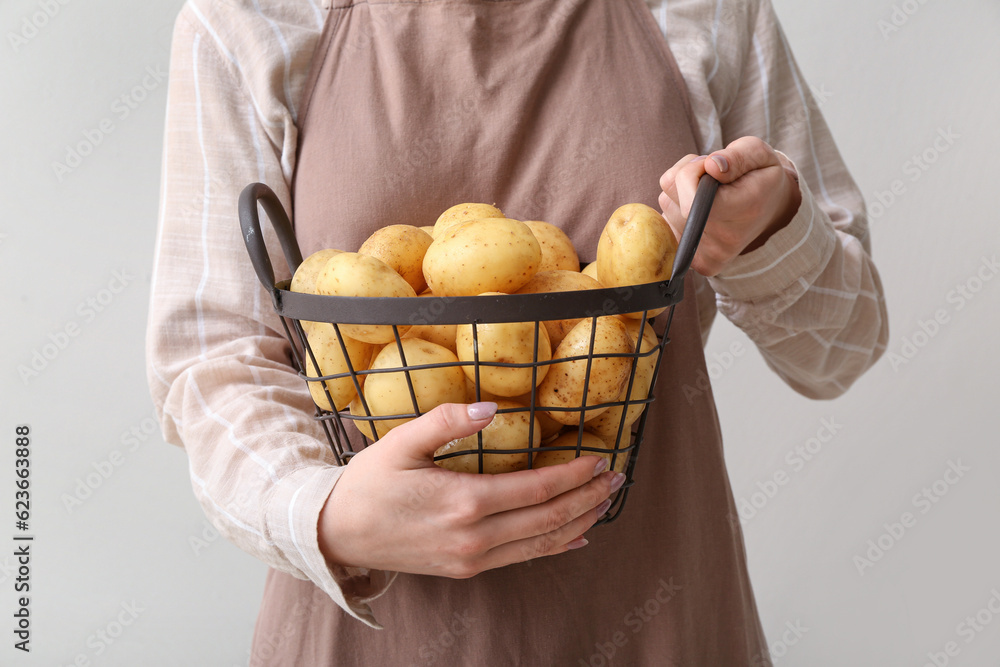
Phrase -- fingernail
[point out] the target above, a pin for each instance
(617, 482)
(603, 507)
(480, 411)
(722, 162)
(602, 463)
(699, 159)
(578, 543)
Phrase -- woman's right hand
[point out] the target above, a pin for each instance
(394, 509)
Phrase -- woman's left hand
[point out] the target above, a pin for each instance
(758, 195)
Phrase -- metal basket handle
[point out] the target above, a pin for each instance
(697, 217)
(253, 238)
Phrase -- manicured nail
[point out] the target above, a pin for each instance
(602, 463)
(481, 411)
(617, 482)
(603, 507)
(722, 162)
(578, 543)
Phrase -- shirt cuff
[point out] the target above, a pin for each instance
(293, 520)
(791, 253)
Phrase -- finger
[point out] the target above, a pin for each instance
(740, 157)
(500, 493)
(553, 515)
(686, 184)
(667, 180)
(548, 544)
(415, 442)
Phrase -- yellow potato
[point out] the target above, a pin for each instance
(636, 247)
(507, 431)
(365, 427)
(552, 457)
(326, 347)
(488, 255)
(509, 343)
(591, 270)
(559, 281)
(304, 280)
(441, 334)
(607, 423)
(429, 229)
(558, 253)
(564, 384)
(389, 394)
(550, 427)
(353, 274)
(402, 248)
(305, 276)
(464, 213)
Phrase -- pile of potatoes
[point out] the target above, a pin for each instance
(473, 249)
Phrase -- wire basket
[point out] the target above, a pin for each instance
(619, 441)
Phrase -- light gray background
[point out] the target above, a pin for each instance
(139, 538)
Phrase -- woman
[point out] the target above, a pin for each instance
(362, 114)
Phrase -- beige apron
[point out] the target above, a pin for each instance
(558, 110)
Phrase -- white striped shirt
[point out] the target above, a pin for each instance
(218, 363)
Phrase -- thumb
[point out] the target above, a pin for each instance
(419, 438)
(739, 158)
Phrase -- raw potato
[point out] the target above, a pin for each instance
(564, 383)
(402, 248)
(558, 253)
(490, 255)
(304, 280)
(507, 343)
(429, 229)
(464, 213)
(636, 247)
(441, 334)
(607, 423)
(305, 276)
(550, 427)
(591, 270)
(326, 347)
(508, 430)
(354, 274)
(389, 394)
(552, 457)
(559, 281)
(365, 427)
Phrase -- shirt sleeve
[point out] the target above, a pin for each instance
(810, 298)
(218, 364)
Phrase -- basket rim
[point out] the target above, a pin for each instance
(482, 309)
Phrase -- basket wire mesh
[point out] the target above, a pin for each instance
(299, 311)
